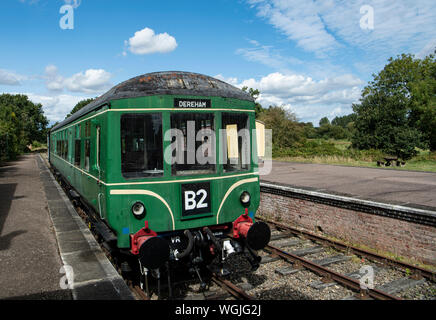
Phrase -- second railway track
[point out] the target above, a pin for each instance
(295, 265)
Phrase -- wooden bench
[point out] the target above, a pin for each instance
(390, 161)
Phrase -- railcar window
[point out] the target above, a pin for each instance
(98, 146)
(236, 142)
(66, 150)
(141, 145)
(77, 151)
(87, 153)
(78, 131)
(88, 128)
(198, 154)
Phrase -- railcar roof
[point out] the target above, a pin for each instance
(163, 83)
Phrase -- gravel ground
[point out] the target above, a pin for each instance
(269, 285)
(426, 291)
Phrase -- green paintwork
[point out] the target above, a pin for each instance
(116, 209)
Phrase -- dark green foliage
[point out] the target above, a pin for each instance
(21, 123)
(322, 148)
(397, 113)
(255, 94)
(324, 121)
(328, 131)
(286, 131)
(309, 148)
(344, 121)
(309, 131)
(79, 106)
(382, 124)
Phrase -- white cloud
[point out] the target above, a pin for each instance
(90, 81)
(323, 27)
(74, 3)
(56, 107)
(232, 81)
(146, 41)
(267, 56)
(309, 99)
(299, 21)
(429, 48)
(10, 78)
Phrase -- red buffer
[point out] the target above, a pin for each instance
(257, 234)
(153, 250)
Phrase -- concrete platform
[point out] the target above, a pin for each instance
(40, 232)
(29, 257)
(398, 187)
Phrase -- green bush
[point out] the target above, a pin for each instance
(323, 148)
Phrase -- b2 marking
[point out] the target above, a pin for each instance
(195, 198)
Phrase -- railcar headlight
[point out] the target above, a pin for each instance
(245, 198)
(138, 210)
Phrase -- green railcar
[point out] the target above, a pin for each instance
(174, 149)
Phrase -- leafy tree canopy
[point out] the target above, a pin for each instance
(21, 123)
(254, 93)
(344, 121)
(397, 112)
(286, 131)
(79, 106)
(324, 121)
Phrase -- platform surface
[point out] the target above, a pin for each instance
(29, 257)
(42, 237)
(400, 187)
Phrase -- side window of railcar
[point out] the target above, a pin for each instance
(141, 145)
(87, 144)
(201, 158)
(67, 144)
(98, 140)
(77, 147)
(236, 142)
(87, 153)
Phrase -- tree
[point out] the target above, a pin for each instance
(79, 106)
(286, 131)
(396, 110)
(254, 93)
(344, 121)
(21, 123)
(329, 131)
(309, 130)
(324, 121)
(423, 100)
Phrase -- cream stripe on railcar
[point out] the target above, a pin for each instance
(154, 182)
(149, 193)
(235, 185)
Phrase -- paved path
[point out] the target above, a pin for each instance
(407, 188)
(29, 258)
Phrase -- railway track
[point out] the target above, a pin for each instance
(236, 291)
(289, 236)
(415, 275)
(416, 270)
(330, 275)
(229, 290)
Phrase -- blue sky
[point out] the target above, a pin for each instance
(313, 57)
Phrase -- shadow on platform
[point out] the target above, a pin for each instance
(7, 192)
